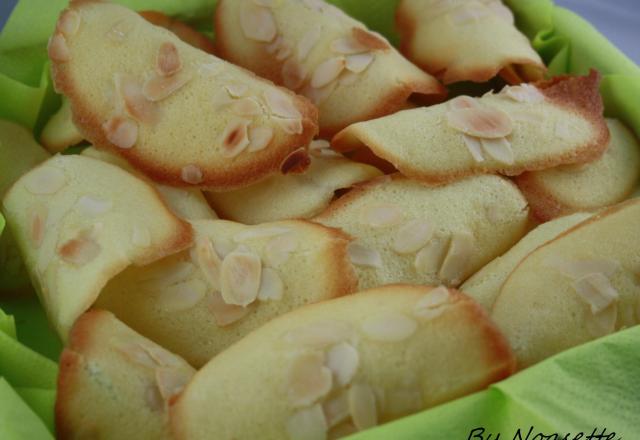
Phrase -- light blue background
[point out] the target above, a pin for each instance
(619, 20)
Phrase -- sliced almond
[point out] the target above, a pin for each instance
(327, 72)
(389, 327)
(168, 61)
(579, 268)
(348, 46)
(37, 220)
(259, 232)
(362, 406)
(474, 146)
(307, 42)
(293, 74)
(121, 131)
(319, 334)
(79, 251)
(281, 104)
(358, 63)
(343, 360)
(363, 256)
(191, 174)
(381, 215)
(46, 180)
(208, 260)
(284, 52)
(171, 382)
(134, 353)
(240, 275)
(223, 246)
(135, 102)
(429, 259)
(221, 99)
(369, 40)
(271, 286)
(412, 236)
(499, 149)
(278, 250)
(259, 138)
(93, 206)
(336, 410)
(237, 90)
(58, 49)
(307, 424)
(157, 88)
(225, 314)
(526, 93)
(153, 398)
(318, 96)
(181, 297)
(257, 22)
(235, 138)
(273, 47)
(246, 107)
(456, 261)
(462, 102)
(290, 126)
(432, 304)
(308, 380)
(482, 122)
(604, 322)
(69, 23)
(596, 290)
(162, 357)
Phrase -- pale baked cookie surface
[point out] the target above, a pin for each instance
(603, 182)
(78, 222)
(235, 279)
(409, 232)
(344, 365)
(472, 40)
(580, 286)
(181, 116)
(522, 128)
(114, 383)
(312, 47)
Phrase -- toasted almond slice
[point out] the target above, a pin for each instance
(191, 174)
(579, 268)
(455, 262)
(596, 290)
(433, 304)
(153, 398)
(290, 126)
(208, 260)
(235, 137)
(271, 286)
(327, 72)
(168, 61)
(336, 410)
(46, 180)
(260, 231)
(604, 322)
(224, 247)
(389, 327)
(284, 52)
(280, 104)
(429, 259)
(181, 297)
(293, 74)
(121, 131)
(93, 206)
(363, 256)
(69, 23)
(526, 93)
(221, 99)
(412, 236)
(240, 275)
(162, 357)
(499, 149)
(343, 359)
(225, 314)
(278, 250)
(259, 138)
(307, 42)
(369, 40)
(135, 102)
(157, 88)
(309, 380)
(362, 406)
(38, 219)
(381, 215)
(462, 102)
(273, 47)
(318, 96)
(246, 107)
(134, 353)
(257, 22)
(237, 90)
(474, 146)
(319, 334)
(58, 49)
(79, 251)
(307, 424)
(348, 46)
(171, 382)
(483, 122)
(358, 63)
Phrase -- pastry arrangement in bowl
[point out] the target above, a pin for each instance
(297, 232)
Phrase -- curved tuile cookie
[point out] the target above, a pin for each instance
(186, 203)
(580, 286)
(466, 41)
(484, 285)
(312, 47)
(361, 360)
(233, 280)
(183, 31)
(408, 232)
(114, 383)
(522, 128)
(294, 195)
(79, 222)
(19, 153)
(60, 132)
(603, 182)
(181, 116)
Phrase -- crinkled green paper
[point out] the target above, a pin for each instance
(596, 385)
